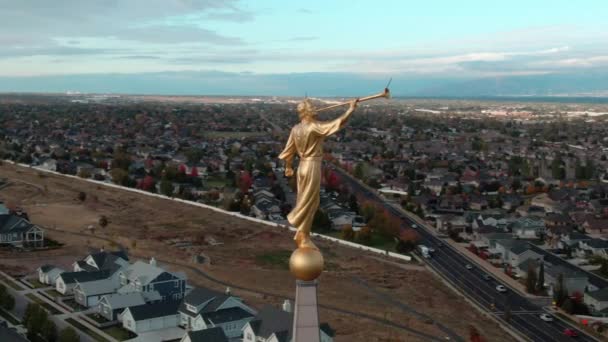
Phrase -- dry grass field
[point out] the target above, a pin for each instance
(249, 256)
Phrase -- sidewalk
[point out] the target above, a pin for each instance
(59, 319)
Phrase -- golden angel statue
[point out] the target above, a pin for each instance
(306, 141)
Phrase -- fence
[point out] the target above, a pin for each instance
(222, 211)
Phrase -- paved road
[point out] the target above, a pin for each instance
(451, 265)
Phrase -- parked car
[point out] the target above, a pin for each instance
(486, 277)
(414, 226)
(546, 317)
(468, 266)
(570, 332)
(501, 288)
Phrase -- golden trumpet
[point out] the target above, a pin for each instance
(386, 94)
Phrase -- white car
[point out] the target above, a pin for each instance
(468, 266)
(546, 317)
(501, 288)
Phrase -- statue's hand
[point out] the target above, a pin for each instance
(288, 172)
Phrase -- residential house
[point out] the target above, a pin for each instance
(101, 260)
(596, 247)
(110, 306)
(66, 281)
(48, 274)
(19, 232)
(520, 253)
(445, 223)
(89, 293)
(597, 302)
(149, 278)
(208, 335)
(545, 202)
(528, 227)
(147, 317)
(572, 241)
(595, 225)
(511, 201)
(203, 309)
(573, 280)
(275, 325)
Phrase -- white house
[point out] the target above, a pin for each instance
(203, 309)
(66, 281)
(48, 274)
(520, 253)
(148, 317)
(111, 305)
(89, 293)
(528, 227)
(597, 301)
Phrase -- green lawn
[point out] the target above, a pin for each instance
(53, 293)
(44, 304)
(276, 259)
(9, 317)
(11, 283)
(97, 318)
(86, 330)
(37, 284)
(118, 333)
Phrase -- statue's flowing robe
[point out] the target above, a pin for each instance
(306, 140)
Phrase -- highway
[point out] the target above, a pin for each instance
(450, 264)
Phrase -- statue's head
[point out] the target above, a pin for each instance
(305, 109)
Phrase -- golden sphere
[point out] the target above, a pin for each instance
(306, 263)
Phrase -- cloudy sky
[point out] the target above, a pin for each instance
(375, 39)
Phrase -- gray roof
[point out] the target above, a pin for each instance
(199, 296)
(271, 320)
(117, 301)
(597, 243)
(81, 277)
(225, 315)
(555, 270)
(599, 295)
(215, 334)
(160, 309)
(97, 287)
(519, 248)
(108, 259)
(144, 272)
(14, 224)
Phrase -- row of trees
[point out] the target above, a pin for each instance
(41, 328)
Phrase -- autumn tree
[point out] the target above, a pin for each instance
(347, 232)
(364, 236)
(119, 176)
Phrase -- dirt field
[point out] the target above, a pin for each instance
(241, 253)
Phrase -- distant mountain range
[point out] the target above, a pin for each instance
(579, 84)
(590, 83)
